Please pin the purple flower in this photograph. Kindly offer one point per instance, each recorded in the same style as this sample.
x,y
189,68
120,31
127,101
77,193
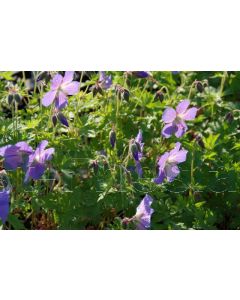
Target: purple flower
x,y
58,115
175,119
37,161
4,204
167,164
15,155
142,74
61,87
105,81
143,213
136,148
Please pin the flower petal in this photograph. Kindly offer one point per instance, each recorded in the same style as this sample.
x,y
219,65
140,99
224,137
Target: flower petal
x,y
48,154
171,172
71,88
178,157
182,106
35,172
61,101
169,115
139,169
49,98
4,205
181,129
68,76
160,178
169,130
56,82
190,114
62,119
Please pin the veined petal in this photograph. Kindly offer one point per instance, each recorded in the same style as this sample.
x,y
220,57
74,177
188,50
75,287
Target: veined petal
x,y
178,157
190,114
68,76
56,82
171,171
48,154
181,129
182,106
71,88
49,98
169,115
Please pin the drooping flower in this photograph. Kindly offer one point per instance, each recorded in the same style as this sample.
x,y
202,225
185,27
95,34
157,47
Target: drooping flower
x,y
141,74
136,148
175,119
38,160
144,213
4,204
61,87
167,164
15,155
105,81
59,116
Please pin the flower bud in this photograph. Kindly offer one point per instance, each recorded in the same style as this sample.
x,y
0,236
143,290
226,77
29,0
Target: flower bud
x,y
159,96
229,117
97,89
112,138
10,99
199,86
54,120
17,98
134,150
62,119
141,74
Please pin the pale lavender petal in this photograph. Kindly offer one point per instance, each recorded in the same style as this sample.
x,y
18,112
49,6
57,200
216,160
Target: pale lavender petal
x,y
56,82
178,157
169,130
71,88
48,154
61,101
49,98
2,150
144,212
68,77
162,160
182,106
181,129
175,149
43,144
190,114
171,172
169,115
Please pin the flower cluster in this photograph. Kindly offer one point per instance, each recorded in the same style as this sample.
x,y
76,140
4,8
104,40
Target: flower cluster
x,y
33,163
167,163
